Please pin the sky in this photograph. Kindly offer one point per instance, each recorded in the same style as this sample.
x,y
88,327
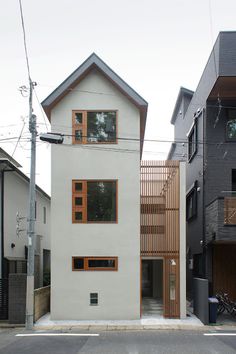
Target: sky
x,y
155,46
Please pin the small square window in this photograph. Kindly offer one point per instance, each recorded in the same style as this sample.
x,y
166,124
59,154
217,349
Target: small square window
x,y
78,118
78,215
78,135
93,299
78,186
78,263
78,201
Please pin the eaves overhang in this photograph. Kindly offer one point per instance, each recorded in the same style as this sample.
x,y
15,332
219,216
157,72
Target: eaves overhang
x,y
8,166
94,62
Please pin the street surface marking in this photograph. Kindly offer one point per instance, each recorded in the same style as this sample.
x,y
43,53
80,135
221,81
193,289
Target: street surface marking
x,y
219,334
58,334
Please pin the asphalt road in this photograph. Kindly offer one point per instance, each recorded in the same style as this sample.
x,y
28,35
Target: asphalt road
x,y
111,342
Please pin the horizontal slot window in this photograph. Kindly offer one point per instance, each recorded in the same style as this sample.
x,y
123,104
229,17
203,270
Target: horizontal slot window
x,y
94,263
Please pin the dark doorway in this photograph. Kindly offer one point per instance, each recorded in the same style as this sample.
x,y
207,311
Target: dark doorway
x,y
152,287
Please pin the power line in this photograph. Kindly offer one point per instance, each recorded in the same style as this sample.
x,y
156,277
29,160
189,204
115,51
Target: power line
x,y
24,38
42,111
18,140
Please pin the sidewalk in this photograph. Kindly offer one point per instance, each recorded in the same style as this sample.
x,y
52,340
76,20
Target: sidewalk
x,y
190,322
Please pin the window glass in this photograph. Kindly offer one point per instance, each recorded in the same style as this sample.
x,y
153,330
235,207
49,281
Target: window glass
x,y
78,135
233,188
78,200
44,215
78,215
101,263
78,118
78,186
192,142
101,201
101,126
231,125
93,298
191,204
78,263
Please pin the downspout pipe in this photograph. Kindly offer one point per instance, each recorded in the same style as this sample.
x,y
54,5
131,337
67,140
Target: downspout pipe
x,y
2,224
203,193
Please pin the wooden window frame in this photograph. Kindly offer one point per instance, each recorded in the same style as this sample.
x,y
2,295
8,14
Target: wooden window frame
x,y
87,268
83,208
83,127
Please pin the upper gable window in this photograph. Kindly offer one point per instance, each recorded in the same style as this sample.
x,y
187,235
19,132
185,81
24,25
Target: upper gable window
x,y
192,142
94,127
231,125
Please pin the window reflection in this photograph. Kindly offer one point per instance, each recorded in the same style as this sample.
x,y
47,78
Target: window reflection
x,y
101,126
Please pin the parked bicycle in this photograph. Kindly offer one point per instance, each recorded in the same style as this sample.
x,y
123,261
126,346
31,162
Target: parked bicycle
x,y
225,304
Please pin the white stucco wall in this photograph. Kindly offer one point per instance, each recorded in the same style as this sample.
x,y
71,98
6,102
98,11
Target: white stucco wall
x,y
118,291
16,193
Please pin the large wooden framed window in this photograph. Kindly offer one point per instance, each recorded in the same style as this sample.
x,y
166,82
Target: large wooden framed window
x,y
94,201
94,127
94,263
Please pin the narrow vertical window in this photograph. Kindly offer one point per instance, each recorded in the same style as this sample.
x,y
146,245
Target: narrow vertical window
x,y
192,142
191,203
44,215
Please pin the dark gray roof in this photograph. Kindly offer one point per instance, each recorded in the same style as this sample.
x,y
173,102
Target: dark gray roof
x,y
93,61
5,155
182,92
9,166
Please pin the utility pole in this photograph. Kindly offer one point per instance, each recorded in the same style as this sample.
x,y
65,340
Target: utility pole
x,y
29,322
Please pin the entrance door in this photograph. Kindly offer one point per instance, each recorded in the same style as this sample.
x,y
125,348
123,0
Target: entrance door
x,y
152,287
147,271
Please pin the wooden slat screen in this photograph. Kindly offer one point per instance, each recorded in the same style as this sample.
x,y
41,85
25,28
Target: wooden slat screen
x,y
230,211
160,224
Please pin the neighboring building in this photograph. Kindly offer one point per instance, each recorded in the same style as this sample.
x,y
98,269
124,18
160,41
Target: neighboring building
x,y
95,215
14,194
205,136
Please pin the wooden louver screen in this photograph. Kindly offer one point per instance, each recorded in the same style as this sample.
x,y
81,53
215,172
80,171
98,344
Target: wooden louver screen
x,y
160,224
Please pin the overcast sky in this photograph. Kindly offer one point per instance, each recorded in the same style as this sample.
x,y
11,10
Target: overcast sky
x,y
155,46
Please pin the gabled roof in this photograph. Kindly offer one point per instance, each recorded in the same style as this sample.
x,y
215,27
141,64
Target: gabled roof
x,y
93,61
182,92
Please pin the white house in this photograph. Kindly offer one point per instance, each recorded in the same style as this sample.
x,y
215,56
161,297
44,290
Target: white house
x,y
95,213
14,194
95,208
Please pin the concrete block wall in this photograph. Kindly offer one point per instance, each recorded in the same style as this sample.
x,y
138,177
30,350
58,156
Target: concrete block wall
x,y
17,298
41,302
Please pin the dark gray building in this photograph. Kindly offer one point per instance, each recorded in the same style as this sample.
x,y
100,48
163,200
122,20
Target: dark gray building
x,y
205,137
